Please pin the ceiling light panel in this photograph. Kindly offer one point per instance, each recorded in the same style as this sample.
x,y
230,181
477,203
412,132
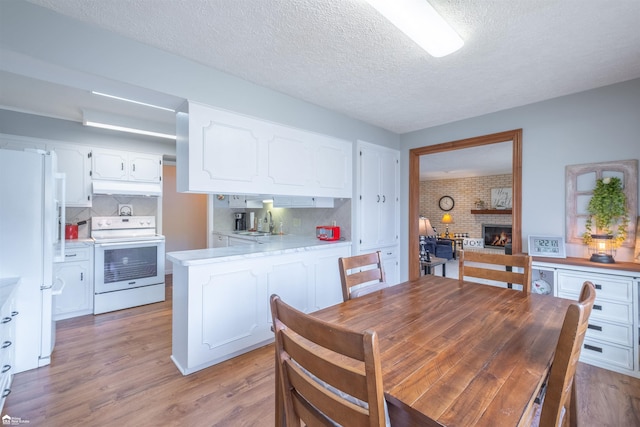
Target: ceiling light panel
x,y
420,21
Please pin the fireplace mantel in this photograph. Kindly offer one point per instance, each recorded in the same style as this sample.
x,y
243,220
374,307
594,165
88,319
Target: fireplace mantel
x,y
491,211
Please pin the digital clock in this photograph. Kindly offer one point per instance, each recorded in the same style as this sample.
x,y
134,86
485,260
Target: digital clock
x,y
547,246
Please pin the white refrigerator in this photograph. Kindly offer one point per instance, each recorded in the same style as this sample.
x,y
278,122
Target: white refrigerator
x,y
31,223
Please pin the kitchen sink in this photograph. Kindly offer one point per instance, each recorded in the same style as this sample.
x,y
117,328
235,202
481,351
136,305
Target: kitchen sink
x,y
252,233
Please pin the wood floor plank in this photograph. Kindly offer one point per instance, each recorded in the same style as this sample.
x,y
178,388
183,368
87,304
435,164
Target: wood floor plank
x,y
114,369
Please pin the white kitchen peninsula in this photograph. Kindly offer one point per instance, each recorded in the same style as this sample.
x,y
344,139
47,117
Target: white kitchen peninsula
x,y
221,295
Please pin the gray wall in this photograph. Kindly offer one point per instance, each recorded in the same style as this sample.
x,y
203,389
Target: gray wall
x,y
589,127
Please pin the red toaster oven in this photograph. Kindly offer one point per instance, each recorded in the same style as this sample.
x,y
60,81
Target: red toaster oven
x,y
328,232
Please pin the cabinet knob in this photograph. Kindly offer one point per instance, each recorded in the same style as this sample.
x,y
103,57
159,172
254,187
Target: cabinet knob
x,y
6,392
6,368
6,319
6,344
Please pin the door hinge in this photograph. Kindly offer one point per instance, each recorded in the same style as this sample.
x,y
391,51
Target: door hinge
x,y
89,154
90,173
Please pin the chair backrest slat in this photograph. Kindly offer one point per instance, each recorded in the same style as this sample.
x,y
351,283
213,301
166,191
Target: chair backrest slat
x,y
367,277
502,275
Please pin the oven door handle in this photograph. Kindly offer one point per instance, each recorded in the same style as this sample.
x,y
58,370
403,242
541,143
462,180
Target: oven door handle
x,y
131,243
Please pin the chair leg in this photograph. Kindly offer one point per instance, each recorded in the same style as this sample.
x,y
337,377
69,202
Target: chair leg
x,y
279,418
572,413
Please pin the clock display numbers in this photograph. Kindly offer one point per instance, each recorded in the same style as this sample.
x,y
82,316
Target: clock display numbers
x,y
547,246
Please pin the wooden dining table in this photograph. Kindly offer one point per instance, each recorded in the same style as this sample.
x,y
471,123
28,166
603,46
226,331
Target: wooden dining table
x,y
458,353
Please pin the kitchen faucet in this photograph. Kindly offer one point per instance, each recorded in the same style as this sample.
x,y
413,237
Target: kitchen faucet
x,y
271,225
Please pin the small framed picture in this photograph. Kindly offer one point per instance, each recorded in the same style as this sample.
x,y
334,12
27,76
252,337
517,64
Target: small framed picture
x,y
545,246
501,198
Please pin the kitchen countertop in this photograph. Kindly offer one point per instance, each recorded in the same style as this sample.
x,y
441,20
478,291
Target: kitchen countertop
x,y
7,286
268,246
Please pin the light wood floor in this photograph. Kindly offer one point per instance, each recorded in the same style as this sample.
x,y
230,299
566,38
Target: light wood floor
x,y
114,369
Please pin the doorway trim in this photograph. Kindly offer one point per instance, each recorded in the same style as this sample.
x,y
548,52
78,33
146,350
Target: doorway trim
x,y
515,136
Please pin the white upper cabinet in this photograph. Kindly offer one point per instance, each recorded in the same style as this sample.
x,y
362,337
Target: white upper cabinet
x,y
223,152
378,196
75,162
126,166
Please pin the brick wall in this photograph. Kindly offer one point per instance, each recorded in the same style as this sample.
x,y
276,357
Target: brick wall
x,y
465,192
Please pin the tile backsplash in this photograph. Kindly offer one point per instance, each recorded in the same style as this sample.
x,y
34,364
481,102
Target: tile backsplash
x,y
108,206
297,221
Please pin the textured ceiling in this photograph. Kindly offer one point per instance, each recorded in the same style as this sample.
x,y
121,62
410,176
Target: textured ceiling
x,y
341,55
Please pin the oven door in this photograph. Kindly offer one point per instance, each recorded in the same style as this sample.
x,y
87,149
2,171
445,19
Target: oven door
x,y
126,265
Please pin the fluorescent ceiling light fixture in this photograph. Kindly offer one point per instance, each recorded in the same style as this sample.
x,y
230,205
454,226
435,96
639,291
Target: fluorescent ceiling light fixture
x,y
420,21
126,124
132,101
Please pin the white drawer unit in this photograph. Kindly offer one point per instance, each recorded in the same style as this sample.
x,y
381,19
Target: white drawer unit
x,y
612,335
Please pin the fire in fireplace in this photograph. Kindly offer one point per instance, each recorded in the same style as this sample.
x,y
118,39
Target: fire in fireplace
x,y
496,235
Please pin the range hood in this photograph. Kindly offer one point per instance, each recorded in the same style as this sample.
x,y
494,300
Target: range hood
x,y
127,188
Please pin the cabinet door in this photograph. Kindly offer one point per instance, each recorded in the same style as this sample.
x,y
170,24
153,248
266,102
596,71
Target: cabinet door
x,y
237,201
388,227
145,167
110,164
390,265
75,162
378,188
369,198
76,297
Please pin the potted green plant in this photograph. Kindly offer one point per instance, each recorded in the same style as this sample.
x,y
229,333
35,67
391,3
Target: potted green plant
x,y
608,212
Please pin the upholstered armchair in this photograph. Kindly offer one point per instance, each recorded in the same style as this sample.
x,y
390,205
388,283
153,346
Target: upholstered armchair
x,y
441,248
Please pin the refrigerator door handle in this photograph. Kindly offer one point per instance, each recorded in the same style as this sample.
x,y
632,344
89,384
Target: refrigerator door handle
x,y
61,179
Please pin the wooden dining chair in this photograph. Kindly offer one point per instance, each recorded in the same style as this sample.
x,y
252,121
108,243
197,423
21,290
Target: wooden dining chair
x,y
361,275
327,374
559,407
504,274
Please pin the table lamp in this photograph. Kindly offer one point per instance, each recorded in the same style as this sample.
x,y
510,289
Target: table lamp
x,y
602,249
425,230
447,219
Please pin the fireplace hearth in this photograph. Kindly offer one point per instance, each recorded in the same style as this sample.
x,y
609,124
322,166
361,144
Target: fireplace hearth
x,y
496,235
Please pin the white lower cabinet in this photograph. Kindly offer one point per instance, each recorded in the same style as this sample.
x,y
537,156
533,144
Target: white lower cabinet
x,y
221,309
390,262
74,276
8,318
611,341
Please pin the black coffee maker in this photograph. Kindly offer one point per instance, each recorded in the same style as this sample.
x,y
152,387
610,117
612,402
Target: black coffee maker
x,y
241,221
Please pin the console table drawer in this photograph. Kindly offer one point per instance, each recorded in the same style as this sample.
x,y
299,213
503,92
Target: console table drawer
x,y
607,310
608,287
610,354
612,332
